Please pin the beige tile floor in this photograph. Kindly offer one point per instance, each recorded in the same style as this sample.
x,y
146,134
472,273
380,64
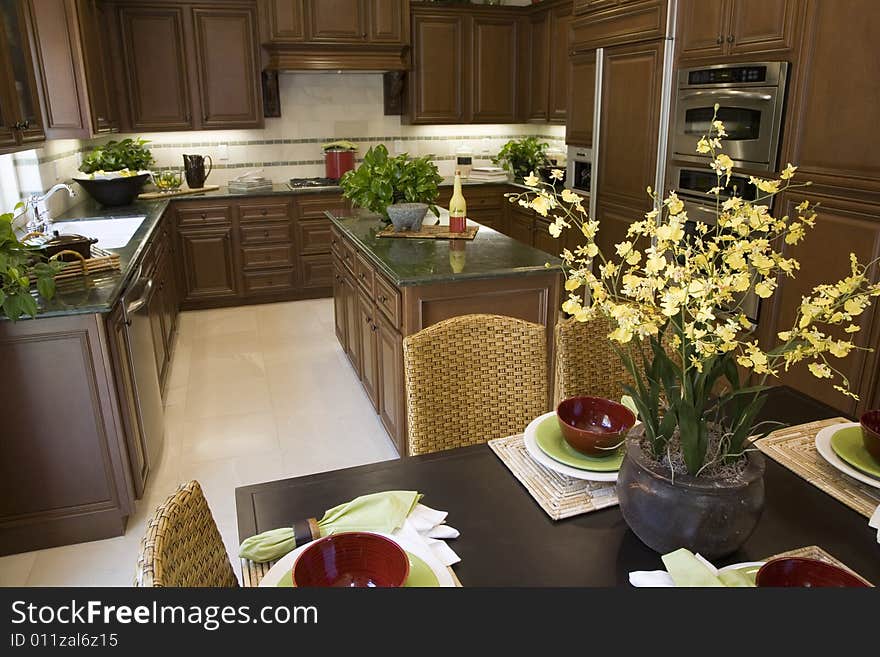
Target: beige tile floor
x,y
255,393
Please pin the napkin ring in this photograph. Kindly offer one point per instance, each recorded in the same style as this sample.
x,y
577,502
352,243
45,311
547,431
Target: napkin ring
x,y
305,531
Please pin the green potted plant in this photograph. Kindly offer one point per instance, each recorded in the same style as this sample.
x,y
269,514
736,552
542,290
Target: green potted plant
x,y
522,157
19,264
673,299
116,171
399,189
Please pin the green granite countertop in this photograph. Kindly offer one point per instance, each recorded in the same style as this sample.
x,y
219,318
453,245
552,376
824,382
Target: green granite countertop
x,y
408,261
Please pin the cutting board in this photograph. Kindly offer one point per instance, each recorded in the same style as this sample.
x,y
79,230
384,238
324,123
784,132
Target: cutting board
x,y
180,192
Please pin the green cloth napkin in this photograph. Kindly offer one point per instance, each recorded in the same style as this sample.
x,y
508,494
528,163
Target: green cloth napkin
x,y
688,571
378,512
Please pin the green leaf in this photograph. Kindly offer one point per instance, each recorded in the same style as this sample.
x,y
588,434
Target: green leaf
x,y
46,287
12,307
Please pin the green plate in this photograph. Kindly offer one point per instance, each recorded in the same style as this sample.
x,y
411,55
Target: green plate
x,y
848,445
420,575
549,438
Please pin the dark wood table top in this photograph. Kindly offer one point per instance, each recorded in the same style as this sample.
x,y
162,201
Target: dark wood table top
x,y
508,540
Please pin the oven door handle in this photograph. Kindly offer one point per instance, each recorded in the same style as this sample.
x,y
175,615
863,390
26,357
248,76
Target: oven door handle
x,y
731,93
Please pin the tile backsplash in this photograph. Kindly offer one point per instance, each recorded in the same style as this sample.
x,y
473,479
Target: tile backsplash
x,y
316,108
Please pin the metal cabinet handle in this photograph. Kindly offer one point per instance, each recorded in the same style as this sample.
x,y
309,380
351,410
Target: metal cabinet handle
x,y
265,233
731,38
374,327
264,212
139,303
720,39
204,215
382,298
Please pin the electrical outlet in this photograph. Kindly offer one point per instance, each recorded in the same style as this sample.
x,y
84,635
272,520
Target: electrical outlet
x,y
223,152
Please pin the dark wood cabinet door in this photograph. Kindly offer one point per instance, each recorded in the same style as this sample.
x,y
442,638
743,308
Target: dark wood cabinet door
x,y
761,26
155,66
339,305
544,240
539,67
128,399
93,25
630,121
438,80
702,27
22,97
284,20
494,78
352,323
208,264
521,225
8,115
337,21
831,130
842,227
228,73
581,99
585,6
614,221
560,21
156,312
369,348
388,20
392,394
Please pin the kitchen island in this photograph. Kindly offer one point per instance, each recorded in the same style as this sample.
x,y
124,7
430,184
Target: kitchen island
x,y
385,289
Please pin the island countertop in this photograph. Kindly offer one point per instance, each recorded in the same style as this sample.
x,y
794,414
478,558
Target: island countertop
x,y
409,261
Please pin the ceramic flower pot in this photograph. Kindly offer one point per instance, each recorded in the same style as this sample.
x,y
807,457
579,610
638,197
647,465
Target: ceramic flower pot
x,y
707,517
407,216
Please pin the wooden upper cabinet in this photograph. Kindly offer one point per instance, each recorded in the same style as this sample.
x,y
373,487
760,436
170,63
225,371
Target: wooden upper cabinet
x,y
581,99
155,67
831,133
630,123
226,51
388,21
538,95
438,83
19,95
736,28
494,78
284,20
337,20
560,22
703,30
92,21
586,6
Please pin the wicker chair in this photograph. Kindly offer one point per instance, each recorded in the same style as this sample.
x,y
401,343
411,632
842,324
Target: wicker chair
x,y
586,363
182,546
473,378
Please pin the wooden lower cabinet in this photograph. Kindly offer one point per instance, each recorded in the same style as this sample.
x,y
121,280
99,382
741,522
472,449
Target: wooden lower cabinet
x,y
367,328
339,319
352,323
521,225
208,263
392,398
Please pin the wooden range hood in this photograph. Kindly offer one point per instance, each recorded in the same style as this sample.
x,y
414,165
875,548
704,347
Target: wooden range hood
x,y
336,57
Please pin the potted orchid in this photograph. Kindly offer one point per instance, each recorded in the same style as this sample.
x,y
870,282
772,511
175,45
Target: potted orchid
x,y
692,478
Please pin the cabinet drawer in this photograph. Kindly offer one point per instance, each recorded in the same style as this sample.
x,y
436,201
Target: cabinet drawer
x,y
336,242
262,234
365,275
199,215
314,206
314,235
316,270
257,282
265,211
388,301
347,255
260,257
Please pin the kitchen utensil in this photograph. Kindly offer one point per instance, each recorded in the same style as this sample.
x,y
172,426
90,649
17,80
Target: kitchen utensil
x,y
352,560
594,426
548,423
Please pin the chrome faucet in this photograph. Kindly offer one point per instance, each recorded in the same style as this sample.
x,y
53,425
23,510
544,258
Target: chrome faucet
x,y
40,217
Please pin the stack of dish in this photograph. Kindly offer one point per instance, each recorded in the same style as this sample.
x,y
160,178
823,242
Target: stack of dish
x,y
854,448
584,438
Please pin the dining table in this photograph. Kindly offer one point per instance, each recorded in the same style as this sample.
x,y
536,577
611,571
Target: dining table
x,y
507,540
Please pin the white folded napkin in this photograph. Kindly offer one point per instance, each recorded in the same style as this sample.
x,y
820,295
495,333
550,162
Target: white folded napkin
x,y
428,526
661,578
874,522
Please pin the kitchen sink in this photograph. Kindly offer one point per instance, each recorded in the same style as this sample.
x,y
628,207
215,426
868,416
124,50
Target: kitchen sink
x,y
111,233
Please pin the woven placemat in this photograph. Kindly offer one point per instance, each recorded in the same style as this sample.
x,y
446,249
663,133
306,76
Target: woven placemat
x,y
795,448
815,552
559,496
431,233
252,573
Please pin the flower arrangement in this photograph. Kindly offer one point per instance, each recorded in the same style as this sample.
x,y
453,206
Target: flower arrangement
x,y
664,289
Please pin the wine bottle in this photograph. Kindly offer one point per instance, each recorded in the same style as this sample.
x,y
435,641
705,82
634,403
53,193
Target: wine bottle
x,y
457,208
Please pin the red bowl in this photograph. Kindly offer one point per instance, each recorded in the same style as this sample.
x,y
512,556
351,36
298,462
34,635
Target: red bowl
x,y
801,572
593,425
871,433
352,560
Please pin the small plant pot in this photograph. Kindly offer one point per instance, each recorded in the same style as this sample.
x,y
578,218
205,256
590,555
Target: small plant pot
x,y
113,192
407,216
709,517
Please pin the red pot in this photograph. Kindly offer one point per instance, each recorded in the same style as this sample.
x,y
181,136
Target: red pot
x,y
337,163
